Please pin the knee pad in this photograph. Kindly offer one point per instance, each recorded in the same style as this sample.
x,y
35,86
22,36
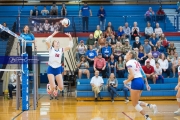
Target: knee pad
x,y
139,102
178,99
138,108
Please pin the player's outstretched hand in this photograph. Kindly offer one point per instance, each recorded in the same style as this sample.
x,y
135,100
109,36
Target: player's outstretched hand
x,y
55,32
68,34
148,87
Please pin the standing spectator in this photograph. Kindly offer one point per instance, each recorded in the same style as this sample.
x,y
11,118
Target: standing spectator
x,y
158,72
112,64
147,47
160,15
63,10
97,33
160,48
91,55
12,84
158,31
127,31
171,47
120,67
118,50
100,64
164,64
153,40
175,64
44,12
120,34
110,25
86,11
97,83
150,59
112,85
81,50
106,51
127,46
90,40
149,14
149,71
155,53
141,55
148,30
102,17
54,9
135,31
34,12
46,26
136,44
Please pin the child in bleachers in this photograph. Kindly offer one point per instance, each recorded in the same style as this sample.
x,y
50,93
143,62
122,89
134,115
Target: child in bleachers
x,y
158,73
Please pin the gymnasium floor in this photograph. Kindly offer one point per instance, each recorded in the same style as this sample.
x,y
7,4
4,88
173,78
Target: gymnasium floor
x,y
68,108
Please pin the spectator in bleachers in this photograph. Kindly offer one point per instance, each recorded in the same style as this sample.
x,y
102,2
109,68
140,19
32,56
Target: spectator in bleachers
x,y
118,50
83,66
91,55
155,53
153,40
149,71
112,85
35,27
126,46
171,47
135,31
127,31
158,72
120,34
63,10
120,67
158,31
96,47
12,83
151,60
90,40
3,34
109,25
164,41
41,28
112,42
170,57
160,48
136,44
112,62
148,30
81,49
52,27
175,63
108,33
97,33
46,26
100,64
34,12
147,47
150,14
56,26
101,41
164,64
106,51
97,83
102,17
160,15
126,88
178,7
141,55
54,9
86,12
44,12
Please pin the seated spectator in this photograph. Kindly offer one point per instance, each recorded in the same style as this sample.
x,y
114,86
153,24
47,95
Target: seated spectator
x,y
91,55
106,51
127,31
164,64
4,35
153,40
54,9
112,85
97,83
127,47
151,60
112,42
149,71
90,40
158,31
141,55
97,33
120,34
102,17
109,25
46,26
41,28
81,50
100,64
171,47
160,48
135,31
52,27
83,66
136,44
158,72
155,53
12,84
44,12
63,10
147,47
160,15
112,64
126,88
170,57
34,12
148,31
118,50
164,41
96,47
101,41
175,64
150,14
56,26
108,33
120,67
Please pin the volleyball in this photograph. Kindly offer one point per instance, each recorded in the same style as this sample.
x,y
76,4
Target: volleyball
x,y
65,22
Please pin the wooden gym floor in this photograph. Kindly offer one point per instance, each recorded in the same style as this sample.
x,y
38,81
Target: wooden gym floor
x,y
68,108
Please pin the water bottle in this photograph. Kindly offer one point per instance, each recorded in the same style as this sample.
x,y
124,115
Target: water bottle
x,y
6,94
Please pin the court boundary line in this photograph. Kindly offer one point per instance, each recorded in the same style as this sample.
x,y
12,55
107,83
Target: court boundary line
x,y
127,115
25,110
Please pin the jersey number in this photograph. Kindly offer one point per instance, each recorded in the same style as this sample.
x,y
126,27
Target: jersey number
x,y
56,55
138,66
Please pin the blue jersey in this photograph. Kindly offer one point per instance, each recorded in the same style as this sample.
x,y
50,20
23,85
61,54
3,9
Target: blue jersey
x,y
28,37
91,54
85,11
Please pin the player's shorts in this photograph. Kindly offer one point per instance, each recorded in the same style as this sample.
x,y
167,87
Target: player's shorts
x,y
54,71
137,84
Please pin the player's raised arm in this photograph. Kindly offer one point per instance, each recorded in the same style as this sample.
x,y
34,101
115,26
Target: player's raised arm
x,y
70,42
48,40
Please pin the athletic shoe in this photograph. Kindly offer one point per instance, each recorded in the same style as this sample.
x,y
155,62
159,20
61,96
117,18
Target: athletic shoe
x,y
154,108
126,101
177,112
48,89
56,98
147,117
112,101
51,97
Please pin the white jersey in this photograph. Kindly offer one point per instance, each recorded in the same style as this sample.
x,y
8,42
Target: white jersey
x,y
135,66
179,70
